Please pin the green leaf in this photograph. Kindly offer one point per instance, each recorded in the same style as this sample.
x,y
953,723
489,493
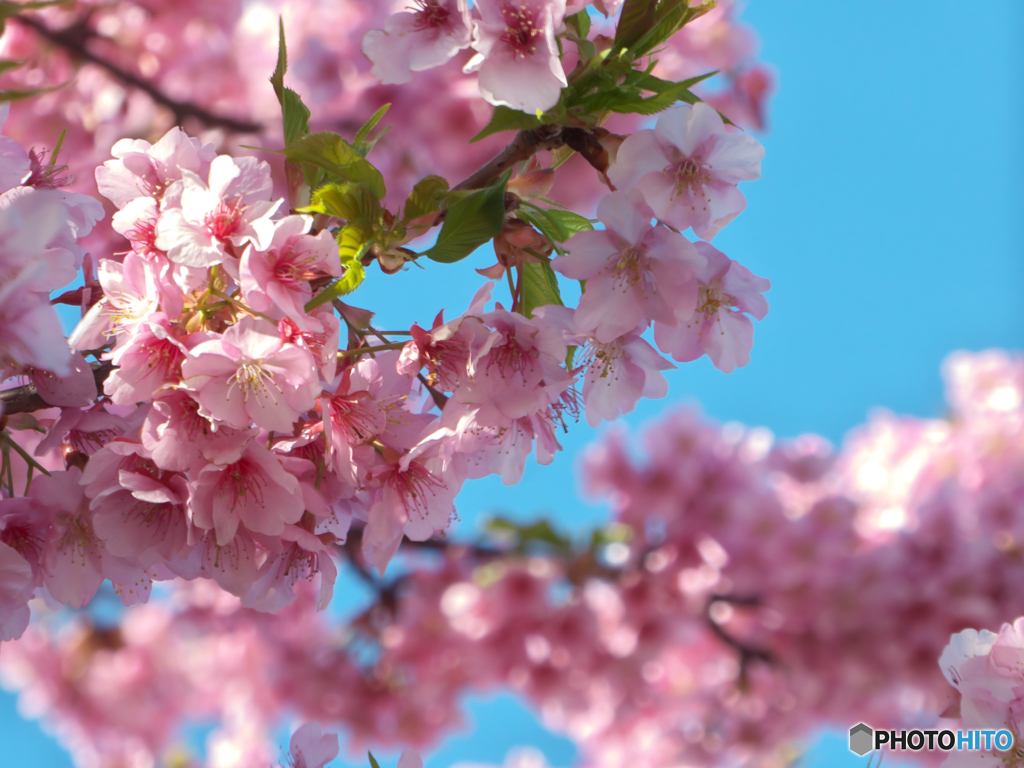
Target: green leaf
x,y
277,79
370,124
507,119
426,197
557,225
373,760
471,222
580,23
540,287
295,114
568,223
345,201
339,159
353,241
636,20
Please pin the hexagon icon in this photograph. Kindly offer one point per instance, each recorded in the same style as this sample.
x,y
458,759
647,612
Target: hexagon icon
x,y
861,739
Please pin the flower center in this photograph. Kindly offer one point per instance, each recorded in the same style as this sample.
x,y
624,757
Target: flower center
x,y
225,220
690,175
242,481
510,358
416,485
291,271
143,238
430,14
357,417
521,31
252,378
601,360
711,299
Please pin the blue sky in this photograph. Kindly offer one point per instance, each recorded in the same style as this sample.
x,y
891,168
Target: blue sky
x,y
889,222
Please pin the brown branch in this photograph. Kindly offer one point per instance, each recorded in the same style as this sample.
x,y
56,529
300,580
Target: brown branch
x,y
73,41
524,146
26,400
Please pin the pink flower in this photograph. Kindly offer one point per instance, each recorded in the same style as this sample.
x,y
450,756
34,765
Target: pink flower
x,y
178,437
302,555
446,351
15,584
231,565
310,747
233,209
481,441
616,374
130,295
76,390
249,376
634,272
352,418
147,361
519,369
138,509
14,162
320,336
688,167
24,529
255,491
73,557
416,500
427,35
279,276
517,55
719,327
142,169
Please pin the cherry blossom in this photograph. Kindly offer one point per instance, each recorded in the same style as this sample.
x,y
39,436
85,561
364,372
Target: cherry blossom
x,y
232,209
719,327
426,36
688,167
255,490
279,276
250,376
634,272
517,56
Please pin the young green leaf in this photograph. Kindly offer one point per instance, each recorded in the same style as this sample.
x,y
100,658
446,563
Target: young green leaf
x,y
540,287
295,114
426,197
345,201
373,760
580,24
471,222
369,125
339,159
507,119
636,20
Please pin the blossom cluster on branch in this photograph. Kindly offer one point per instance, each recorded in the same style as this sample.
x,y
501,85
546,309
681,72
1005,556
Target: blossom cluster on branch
x,y
745,592
221,433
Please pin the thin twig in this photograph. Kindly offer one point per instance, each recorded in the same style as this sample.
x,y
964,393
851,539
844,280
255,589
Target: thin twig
x,y
70,40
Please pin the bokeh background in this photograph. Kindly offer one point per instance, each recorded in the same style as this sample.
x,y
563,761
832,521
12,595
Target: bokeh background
x,y
890,221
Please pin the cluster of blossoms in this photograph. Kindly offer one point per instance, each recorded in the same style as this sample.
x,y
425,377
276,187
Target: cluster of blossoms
x,y
232,440
745,592
208,62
